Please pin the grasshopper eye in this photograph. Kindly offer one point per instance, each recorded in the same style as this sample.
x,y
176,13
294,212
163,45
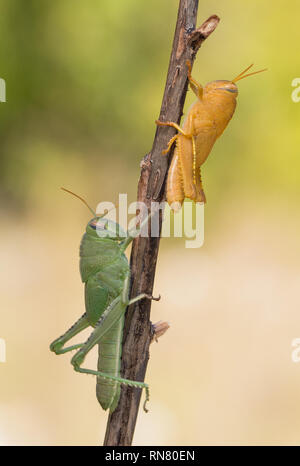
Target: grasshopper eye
x,y
234,91
99,225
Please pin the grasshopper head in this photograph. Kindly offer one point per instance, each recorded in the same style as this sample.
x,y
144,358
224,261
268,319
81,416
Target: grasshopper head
x,y
100,227
222,87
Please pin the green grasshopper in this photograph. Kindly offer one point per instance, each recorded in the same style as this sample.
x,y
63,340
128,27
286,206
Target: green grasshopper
x,y
105,271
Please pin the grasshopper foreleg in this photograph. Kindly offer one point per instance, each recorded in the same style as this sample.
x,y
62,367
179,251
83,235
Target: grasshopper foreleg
x,y
174,125
194,85
170,144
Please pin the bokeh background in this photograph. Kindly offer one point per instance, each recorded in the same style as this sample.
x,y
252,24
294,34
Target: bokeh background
x,y
84,85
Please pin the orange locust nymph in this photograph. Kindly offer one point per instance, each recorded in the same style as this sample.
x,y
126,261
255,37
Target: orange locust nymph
x,y
205,122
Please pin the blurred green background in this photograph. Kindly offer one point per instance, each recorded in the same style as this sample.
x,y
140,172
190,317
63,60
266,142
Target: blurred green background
x,y
84,85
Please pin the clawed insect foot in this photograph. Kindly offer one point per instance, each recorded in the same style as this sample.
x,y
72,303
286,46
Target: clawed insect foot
x,y
149,296
144,406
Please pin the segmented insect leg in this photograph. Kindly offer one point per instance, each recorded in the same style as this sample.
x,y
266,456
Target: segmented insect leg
x,y
194,159
194,85
143,296
125,292
174,125
200,192
186,163
170,143
57,345
111,315
175,192
120,380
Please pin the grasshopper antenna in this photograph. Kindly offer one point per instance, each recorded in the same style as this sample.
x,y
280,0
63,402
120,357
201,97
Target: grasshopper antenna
x,y
243,72
242,75
83,200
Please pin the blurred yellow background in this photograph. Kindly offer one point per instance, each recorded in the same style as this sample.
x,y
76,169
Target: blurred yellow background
x,y
84,86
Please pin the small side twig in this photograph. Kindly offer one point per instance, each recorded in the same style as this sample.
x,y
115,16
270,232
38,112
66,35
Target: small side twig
x,y
137,330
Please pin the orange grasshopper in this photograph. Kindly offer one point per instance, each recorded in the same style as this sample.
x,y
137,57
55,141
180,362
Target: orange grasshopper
x,y
205,122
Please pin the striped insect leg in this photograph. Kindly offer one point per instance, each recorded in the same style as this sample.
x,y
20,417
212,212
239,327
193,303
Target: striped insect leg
x,y
175,193
186,160
200,192
203,145
109,362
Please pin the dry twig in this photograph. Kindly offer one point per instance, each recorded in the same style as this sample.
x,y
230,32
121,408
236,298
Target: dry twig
x,y
137,330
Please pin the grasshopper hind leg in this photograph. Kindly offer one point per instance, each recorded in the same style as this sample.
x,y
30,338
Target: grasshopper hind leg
x,y
113,313
57,346
199,186
175,193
